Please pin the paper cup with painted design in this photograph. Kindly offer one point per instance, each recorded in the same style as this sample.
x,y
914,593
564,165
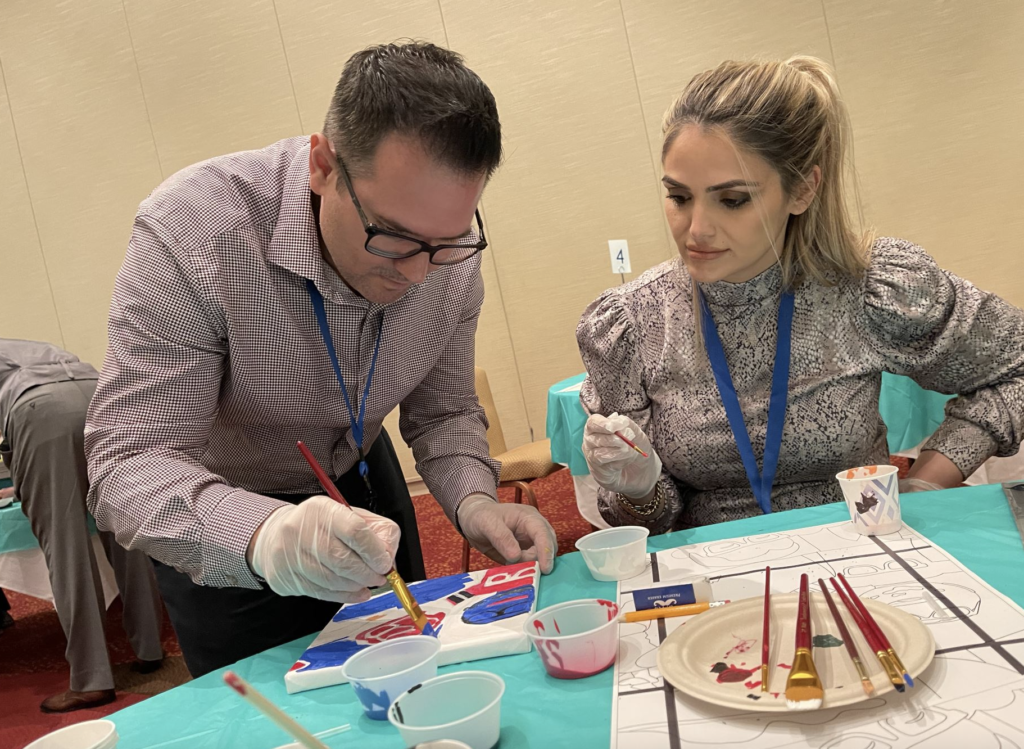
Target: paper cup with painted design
x,y
872,495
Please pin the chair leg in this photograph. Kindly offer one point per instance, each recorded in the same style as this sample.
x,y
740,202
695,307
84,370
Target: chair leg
x,y
465,555
523,489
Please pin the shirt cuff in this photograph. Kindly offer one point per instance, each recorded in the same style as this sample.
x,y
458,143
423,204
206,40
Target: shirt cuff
x,y
226,536
470,479
963,442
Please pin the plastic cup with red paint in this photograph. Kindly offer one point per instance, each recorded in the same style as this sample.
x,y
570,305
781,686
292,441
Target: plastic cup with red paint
x,y
576,638
383,671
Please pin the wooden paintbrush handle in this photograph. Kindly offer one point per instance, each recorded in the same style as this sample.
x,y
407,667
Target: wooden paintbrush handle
x,y
765,628
321,475
867,631
865,614
803,619
838,619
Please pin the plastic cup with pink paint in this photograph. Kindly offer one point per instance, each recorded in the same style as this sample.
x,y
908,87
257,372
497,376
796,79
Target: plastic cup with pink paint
x,y
576,638
383,671
615,553
872,495
462,706
92,734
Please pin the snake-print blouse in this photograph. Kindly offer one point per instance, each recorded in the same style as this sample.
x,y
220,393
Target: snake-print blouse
x,y
905,315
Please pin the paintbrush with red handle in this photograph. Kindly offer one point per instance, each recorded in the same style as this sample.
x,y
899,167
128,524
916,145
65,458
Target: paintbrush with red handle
x,y
872,639
866,615
397,583
765,627
803,687
851,648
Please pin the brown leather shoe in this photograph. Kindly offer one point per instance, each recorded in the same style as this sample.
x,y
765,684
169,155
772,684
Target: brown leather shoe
x,y
70,700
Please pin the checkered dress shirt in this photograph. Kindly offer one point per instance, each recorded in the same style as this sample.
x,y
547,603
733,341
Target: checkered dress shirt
x,y
215,367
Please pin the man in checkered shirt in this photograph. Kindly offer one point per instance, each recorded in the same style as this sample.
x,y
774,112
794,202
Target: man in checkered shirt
x,y
301,292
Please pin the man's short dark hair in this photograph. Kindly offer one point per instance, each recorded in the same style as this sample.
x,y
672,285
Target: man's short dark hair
x,y
416,89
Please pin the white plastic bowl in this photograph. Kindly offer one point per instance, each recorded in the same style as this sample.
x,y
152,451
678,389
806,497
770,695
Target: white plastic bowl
x,y
90,734
463,706
615,553
383,671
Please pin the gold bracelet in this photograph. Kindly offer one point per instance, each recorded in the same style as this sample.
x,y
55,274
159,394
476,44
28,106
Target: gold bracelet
x,y
648,509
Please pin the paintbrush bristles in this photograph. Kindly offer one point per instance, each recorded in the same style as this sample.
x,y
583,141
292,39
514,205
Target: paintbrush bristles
x,y
803,687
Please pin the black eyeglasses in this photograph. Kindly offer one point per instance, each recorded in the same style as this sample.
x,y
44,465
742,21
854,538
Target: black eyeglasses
x,y
390,244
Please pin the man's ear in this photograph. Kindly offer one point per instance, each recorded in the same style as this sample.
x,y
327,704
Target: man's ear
x,y
804,191
323,164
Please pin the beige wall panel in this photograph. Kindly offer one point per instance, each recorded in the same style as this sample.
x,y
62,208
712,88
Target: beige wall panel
x,y
673,41
27,303
86,147
577,170
214,74
320,36
936,93
495,353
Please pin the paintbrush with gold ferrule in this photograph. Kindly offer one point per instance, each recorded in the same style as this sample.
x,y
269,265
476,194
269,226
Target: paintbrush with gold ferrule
x,y
851,648
803,687
891,671
879,633
394,579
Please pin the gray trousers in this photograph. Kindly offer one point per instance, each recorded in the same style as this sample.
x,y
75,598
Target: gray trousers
x,y
45,452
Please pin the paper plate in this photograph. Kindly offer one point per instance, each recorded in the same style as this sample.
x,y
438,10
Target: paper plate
x,y
716,657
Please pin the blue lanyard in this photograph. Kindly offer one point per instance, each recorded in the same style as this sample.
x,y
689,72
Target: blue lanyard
x,y
760,482
357,422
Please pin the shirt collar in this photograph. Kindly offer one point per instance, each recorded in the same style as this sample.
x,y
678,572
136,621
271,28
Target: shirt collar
x,y
295,244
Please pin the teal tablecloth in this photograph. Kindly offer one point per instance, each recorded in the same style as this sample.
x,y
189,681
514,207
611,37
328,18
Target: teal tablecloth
x,y
973,524
910,413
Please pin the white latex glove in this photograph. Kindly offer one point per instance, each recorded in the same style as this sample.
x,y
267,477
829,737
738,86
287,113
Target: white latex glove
x,y
508,533
908,485
615,465
323,549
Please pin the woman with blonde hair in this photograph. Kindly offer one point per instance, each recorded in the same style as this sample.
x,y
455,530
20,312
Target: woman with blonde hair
x,y
749,368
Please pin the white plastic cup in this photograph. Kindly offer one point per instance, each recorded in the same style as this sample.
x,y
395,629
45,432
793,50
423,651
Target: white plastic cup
x,y
872,495
576,639
463,706
383,671
615,553
90,734
443,744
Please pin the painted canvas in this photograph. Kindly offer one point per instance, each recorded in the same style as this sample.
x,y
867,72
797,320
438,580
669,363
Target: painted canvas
x,y
476,615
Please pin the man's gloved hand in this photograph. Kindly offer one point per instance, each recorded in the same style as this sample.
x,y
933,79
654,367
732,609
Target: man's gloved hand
x,y
508,533
323,549
615,465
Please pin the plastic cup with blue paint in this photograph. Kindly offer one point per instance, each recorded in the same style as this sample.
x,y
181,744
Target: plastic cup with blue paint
x,y
383,671
462,706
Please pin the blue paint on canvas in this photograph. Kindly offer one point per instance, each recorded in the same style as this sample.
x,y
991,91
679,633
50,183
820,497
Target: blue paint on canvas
x,y
423,591
376,705
331,654
503,605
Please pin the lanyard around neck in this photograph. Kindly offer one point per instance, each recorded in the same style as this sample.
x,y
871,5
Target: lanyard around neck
x,y
356,420
760,481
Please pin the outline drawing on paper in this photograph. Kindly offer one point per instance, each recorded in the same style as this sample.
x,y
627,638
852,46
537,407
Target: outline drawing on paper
x,y
971,696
